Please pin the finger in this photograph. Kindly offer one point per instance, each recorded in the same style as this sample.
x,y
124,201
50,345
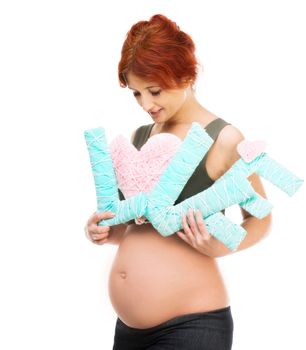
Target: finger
x,y
94,229
194,226
99,236
185,223
101,216
93,218
102,241
183,237
201,225
104,215
103,229
187,230
191,220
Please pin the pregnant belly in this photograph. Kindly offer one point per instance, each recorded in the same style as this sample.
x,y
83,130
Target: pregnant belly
x,y
155,278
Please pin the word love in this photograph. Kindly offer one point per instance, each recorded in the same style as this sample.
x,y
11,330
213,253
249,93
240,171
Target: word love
x,y
157,204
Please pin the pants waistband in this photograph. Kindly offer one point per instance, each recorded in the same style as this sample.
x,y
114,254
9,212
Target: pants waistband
x,y
214,314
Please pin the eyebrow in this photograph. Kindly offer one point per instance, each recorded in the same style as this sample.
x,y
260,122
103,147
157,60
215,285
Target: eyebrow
x,y
148,87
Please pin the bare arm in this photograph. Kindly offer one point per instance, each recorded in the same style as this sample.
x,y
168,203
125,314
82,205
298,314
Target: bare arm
x,y
257,229
197,235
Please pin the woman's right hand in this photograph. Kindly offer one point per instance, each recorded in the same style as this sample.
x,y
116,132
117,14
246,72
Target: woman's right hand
x,y
98,234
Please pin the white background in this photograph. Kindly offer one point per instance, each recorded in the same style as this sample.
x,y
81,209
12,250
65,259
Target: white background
x,y
57,78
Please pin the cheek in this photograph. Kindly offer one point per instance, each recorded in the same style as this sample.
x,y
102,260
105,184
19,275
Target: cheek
x,y
137,99
171,103
168,103
174,105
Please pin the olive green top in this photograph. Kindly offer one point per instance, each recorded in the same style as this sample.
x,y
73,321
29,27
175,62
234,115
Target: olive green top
x,y
199,180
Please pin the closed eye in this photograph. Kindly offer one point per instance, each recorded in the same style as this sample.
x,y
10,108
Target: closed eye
x,y
153,93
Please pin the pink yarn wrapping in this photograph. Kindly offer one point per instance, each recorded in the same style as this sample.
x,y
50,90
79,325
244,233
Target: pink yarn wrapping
x,y
138,171
249,150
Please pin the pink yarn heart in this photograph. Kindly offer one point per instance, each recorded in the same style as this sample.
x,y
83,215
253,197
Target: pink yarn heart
x,y
249,150
138,171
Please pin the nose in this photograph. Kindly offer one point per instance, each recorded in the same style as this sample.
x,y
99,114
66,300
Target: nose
x,y
146,103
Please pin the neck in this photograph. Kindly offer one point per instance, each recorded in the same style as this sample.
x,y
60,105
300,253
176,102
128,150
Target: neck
x,y
191,111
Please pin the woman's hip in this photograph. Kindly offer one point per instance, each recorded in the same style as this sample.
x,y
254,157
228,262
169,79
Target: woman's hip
x,y
211,330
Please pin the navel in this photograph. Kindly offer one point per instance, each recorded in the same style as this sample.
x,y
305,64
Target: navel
x,y
123,275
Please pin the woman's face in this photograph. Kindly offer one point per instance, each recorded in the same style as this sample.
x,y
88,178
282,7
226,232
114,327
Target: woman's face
x,y
160,104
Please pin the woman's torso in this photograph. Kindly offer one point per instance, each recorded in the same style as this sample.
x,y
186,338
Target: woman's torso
x,y
155,278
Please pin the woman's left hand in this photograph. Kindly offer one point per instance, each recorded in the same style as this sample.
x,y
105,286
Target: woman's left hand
x,y
199,238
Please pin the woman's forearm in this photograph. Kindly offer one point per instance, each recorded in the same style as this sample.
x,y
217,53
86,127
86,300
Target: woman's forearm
x,y
257,229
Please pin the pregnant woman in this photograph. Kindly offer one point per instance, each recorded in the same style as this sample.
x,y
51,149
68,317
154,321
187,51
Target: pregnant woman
x,y
168,292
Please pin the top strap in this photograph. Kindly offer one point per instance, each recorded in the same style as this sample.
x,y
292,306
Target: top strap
x,y
143,132
213,128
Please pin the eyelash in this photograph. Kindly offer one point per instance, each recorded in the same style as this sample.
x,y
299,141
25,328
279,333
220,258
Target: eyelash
x,y
157,93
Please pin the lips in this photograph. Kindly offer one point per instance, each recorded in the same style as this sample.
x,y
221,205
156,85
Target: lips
x,y
155,113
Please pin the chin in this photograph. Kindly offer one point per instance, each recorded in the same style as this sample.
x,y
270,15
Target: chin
x,y
157,120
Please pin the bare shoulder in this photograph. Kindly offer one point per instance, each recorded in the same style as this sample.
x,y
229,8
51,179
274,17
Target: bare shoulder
x,y
226,144
223,153
229,136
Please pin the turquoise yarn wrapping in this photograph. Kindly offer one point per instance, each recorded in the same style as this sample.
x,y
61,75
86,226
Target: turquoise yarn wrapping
x,y
157,206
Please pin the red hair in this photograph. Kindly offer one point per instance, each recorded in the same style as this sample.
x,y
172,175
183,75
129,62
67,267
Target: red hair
x,y
157,50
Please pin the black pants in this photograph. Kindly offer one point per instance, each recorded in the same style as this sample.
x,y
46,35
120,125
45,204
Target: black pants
x,y
196,331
